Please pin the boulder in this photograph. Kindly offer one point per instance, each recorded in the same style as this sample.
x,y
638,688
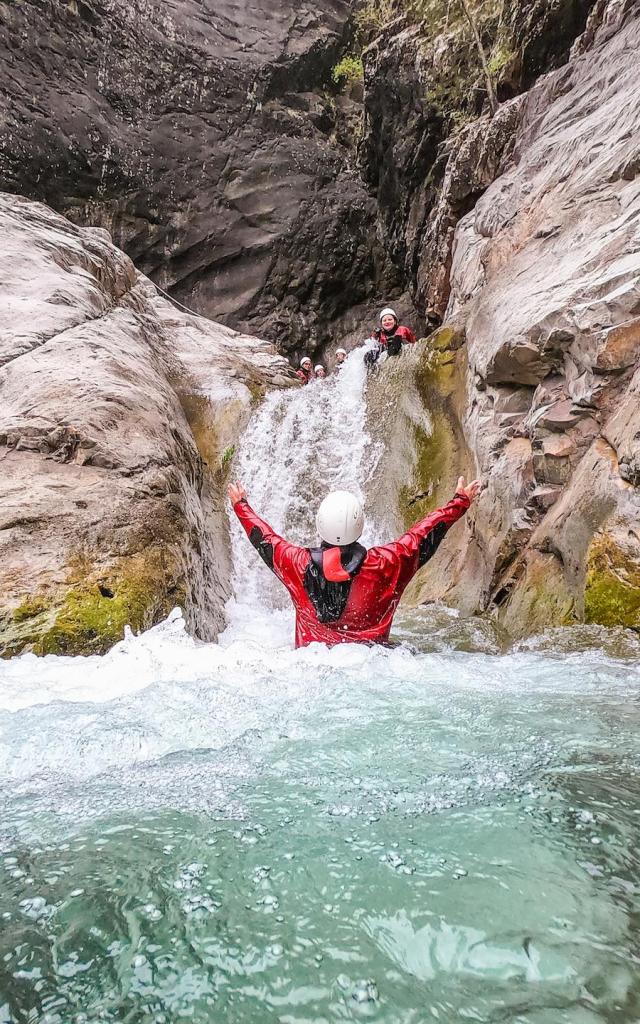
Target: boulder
x,y
117,417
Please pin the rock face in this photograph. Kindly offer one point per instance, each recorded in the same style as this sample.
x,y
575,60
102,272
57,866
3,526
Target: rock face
x,y
201,134
545,289
115,413
423,154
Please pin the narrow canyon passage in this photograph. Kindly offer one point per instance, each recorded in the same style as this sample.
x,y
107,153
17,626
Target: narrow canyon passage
x,y
239,831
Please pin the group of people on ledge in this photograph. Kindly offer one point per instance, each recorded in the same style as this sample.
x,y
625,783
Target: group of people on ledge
x,y
343,592
389,337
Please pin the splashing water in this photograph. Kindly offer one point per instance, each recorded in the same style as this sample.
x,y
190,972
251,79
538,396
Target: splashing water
x,y
442,831
298,447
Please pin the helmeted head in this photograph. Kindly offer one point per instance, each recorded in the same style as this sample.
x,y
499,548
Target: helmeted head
x,y
388,318
320,370
340,519
341,355
305,363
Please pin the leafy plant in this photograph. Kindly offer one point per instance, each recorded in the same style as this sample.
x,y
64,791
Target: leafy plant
x,y
498,61
227,456
348,71
372,17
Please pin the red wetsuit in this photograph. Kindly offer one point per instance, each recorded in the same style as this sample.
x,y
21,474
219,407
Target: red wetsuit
x,y
305,375
404,333
348,594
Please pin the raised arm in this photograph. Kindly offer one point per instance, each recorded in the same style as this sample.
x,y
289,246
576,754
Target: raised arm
x,y
420,543
274,551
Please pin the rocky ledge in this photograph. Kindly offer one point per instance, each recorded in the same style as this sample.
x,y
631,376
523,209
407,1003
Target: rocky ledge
x,y
118,413
538,359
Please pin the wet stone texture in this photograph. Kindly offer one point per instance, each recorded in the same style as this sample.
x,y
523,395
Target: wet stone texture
x,y
208,138
116,410
544,287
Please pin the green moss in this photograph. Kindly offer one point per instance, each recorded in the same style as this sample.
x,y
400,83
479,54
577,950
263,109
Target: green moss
x,y
437,367
435,455
438,461
88,621
83,618
29,609
612,589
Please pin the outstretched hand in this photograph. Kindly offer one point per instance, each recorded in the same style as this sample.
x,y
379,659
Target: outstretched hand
x,y
471,490
236,492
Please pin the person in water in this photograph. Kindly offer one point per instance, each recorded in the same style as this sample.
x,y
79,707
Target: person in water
x,y
341,355
320,371
305,373
343,593
390,336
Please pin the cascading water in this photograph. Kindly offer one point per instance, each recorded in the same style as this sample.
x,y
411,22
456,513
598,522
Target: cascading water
x,y
298,447
242,832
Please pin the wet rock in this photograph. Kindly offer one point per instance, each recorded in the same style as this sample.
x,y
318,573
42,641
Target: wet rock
x,y
545,496
207,142
115,412
545,277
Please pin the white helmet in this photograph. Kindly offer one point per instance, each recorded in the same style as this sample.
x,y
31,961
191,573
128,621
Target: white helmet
x,y
318,367
340,519
305,359
388,311
341,351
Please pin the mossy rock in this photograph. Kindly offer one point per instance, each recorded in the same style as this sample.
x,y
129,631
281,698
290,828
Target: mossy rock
x,y
89,615
612,587
437,367
539,597
440,453
434,467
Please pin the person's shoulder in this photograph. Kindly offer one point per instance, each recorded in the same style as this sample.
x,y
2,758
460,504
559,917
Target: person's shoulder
x,y
380,556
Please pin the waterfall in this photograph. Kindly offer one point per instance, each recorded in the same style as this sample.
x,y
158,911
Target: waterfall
x,y
299,445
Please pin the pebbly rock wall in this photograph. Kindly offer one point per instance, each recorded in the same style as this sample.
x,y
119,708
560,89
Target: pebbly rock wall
x,y
116,411
538,357
206,138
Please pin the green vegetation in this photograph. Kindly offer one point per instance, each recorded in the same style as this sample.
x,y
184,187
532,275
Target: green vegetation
x,y
90,613
612,589
482,58
227,456
500,58
373,15
348,71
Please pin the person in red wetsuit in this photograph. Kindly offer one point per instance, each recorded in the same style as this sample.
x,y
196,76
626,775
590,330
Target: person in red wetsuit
x,y
305,373
343,593
390,336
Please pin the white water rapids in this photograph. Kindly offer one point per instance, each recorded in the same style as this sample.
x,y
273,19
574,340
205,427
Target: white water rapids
x,y
241,831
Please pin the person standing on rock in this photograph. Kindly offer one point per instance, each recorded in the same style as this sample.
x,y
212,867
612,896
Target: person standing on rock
x,y
305,373
343,593
390,336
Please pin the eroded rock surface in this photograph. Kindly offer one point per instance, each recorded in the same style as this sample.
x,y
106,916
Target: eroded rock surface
x,y
116,410
206,137
545,286
425,156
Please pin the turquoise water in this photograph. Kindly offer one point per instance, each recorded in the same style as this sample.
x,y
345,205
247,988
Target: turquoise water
x,y
398,836
238,832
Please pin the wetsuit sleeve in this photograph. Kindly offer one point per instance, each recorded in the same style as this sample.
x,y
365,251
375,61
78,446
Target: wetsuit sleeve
x,y
407,335
278,554
420,543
